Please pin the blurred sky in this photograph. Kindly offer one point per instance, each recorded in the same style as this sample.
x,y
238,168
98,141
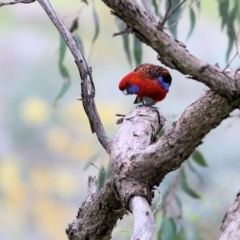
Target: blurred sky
x,y
43,150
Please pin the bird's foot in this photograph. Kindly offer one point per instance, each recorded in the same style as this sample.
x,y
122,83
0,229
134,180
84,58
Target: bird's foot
x,y
148,105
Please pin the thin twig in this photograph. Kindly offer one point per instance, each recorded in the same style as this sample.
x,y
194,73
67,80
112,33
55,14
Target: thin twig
x,y
88,90
174,24
236,54
15,2
161,24
126,30
160,201
97,167
176,8
148,10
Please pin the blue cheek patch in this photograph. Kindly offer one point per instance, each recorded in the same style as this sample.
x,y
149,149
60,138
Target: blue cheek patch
x,y
163,84
133,89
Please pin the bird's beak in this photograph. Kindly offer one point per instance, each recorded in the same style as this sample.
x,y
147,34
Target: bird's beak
x,y
125,92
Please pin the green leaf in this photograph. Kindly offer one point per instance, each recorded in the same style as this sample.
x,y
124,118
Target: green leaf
x,y
62,50
194,171
80,43
137,50
230,18
66,84
185,187
223,10
174,18
87,165
93,158
63,71
161,133
96,23
181,234
155,5
101,178
178,201
168,229
125,37
109,170
74,25
198,158
193,22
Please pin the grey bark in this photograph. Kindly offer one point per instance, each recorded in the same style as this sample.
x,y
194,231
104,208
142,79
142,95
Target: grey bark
x,y
230,229
139,159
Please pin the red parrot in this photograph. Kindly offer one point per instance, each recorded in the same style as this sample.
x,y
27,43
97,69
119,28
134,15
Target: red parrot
x,y
149,82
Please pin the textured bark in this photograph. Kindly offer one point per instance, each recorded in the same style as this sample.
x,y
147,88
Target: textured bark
x,y
138,130
230,229
143,218
97,216
139,159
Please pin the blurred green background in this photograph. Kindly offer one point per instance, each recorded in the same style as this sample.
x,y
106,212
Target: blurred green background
x,y
43,150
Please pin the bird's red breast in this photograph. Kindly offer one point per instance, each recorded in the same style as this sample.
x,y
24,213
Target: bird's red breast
x,y
147,80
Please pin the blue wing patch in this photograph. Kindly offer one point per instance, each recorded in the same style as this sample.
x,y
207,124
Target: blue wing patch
x,y
163,84
133,89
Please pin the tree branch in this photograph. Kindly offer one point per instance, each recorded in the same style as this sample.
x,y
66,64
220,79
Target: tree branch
x,y
231,223
143,219
140,161
88,90
16,2
171,53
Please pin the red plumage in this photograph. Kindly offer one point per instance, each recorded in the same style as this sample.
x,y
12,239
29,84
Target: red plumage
x,y
146,81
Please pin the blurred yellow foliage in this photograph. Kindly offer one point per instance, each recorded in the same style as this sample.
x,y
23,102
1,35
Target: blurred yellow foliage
x,y
74,111
34,111
50,217
58,140
64,183
11,182
41,179
108,111
81,151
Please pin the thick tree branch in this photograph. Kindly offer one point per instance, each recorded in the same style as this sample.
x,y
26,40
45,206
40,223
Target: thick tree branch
x,y
231,222
171,53
88,91
139,161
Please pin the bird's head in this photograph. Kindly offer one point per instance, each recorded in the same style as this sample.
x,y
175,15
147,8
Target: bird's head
x,y
126,86
165,79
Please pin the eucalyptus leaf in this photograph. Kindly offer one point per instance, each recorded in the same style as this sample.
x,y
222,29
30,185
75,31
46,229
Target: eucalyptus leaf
x,y
198,158
192,21
96,24
121,26
168,229
185,187
137,50
101,178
